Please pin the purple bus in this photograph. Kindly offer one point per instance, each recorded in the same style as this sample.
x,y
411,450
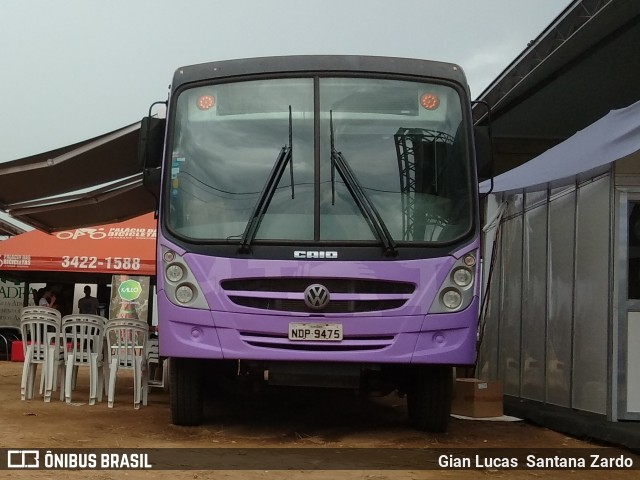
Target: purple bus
x,y
318,227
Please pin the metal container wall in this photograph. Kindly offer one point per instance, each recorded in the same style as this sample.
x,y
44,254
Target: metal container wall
x,y
550,324
534,291
591,324
488,359
511,305
562,216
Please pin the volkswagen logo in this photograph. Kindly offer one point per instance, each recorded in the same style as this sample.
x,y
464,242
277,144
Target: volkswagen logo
x,y
316,296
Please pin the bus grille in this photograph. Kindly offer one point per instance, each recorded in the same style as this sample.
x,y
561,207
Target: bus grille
x,y
335,306
286,294
348,344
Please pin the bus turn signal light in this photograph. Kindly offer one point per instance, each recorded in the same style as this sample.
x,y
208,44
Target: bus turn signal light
x,y
206,102
429,101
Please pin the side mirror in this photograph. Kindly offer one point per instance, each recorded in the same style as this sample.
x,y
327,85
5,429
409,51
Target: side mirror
x,y
484,153
150,145
151,142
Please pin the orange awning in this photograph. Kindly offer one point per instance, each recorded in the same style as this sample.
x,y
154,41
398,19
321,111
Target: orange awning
x,y
125,247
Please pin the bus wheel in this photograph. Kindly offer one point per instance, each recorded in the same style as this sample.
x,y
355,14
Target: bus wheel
x,y
186,392
429,397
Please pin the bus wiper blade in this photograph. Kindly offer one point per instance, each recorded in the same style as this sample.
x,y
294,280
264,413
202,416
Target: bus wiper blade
x,y
266,195
268,191
365,205
361,198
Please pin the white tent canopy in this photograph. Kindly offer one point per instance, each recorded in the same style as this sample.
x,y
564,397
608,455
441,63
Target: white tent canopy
x,y
583,155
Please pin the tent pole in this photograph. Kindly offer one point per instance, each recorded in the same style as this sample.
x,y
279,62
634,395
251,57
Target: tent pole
x,y
25,300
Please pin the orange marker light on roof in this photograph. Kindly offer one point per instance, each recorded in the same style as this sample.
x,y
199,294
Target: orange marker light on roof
x,y
429,101
205,102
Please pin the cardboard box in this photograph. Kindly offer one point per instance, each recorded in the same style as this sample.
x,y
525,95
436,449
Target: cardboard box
x,y
477,398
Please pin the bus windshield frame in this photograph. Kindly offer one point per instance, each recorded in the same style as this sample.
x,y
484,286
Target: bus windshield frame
x,y
227,137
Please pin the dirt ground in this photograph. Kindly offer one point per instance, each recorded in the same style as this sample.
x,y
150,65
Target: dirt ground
x,y
301,419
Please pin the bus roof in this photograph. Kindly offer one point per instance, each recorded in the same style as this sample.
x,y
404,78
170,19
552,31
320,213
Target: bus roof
x,y
300,64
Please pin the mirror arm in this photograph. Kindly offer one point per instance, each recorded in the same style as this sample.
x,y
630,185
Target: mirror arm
x,y
490,134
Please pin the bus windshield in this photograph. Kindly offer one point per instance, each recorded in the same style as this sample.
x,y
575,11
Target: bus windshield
x,y
401,142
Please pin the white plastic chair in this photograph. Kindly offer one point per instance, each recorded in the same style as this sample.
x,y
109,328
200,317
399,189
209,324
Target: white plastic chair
x,y
40,327
156,366
127,348
85,336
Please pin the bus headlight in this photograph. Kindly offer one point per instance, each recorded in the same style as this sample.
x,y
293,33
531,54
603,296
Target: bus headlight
x,y
179,283
458,288
174,273
185,294
469,260
451,298
462,277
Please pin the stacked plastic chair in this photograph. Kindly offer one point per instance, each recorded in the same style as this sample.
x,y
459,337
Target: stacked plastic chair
x,y
158,370
84,336
127,349
42,345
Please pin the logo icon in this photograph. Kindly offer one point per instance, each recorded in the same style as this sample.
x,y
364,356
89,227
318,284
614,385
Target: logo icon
x,y
23,459
129,290
316,296
316,254
93,233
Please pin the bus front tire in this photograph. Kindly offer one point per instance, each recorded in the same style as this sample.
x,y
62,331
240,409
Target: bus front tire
x,y
186,391
429,397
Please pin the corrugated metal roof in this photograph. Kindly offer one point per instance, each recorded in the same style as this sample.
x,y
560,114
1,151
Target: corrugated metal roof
x,y
582,66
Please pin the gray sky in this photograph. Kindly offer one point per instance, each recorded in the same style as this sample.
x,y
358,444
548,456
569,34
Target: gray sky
x,y
74,69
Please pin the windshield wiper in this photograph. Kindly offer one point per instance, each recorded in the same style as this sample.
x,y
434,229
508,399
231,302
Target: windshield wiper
x,y
268,191
361,198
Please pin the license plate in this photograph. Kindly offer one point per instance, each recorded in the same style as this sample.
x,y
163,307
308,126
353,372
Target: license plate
x,y
315,331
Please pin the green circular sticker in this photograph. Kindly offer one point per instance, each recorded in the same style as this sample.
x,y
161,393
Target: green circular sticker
x,y
129,290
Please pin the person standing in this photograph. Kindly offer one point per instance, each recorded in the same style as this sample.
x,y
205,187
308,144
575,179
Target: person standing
x,y
88,305
47,298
